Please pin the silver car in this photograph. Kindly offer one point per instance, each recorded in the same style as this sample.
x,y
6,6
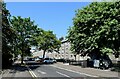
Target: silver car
x,y
48,61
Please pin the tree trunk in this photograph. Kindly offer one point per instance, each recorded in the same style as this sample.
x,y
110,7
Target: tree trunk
x,y
22,58
75,57
22,54
44,53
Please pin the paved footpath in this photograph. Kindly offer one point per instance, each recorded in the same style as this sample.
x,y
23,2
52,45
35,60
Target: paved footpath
x,y
17,71
89,71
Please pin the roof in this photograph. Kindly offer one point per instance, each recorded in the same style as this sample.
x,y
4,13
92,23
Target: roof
x,y
63,41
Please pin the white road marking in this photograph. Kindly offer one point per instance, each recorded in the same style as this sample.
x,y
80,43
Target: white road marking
x,y
74,71
66,64
62,74
41,72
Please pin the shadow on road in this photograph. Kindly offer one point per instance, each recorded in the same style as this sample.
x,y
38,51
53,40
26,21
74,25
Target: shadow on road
x,y
35,66
21,68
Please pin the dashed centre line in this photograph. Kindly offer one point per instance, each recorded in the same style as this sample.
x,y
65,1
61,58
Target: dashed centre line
x,y
74,71
62,74
42,72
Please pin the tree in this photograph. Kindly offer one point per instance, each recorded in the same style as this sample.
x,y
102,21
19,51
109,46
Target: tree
x,y
61,38
96,28
47,41
25,30
8,36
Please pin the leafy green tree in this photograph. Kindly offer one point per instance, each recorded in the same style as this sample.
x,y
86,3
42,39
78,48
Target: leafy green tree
x,y
61,38
8,35
25,30
96,28
47,41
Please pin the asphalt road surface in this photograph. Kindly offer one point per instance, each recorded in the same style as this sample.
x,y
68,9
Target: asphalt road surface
x,y
52,71
42,71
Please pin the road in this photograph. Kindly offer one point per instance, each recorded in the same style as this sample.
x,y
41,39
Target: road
x,y
49,71
52,71
60,70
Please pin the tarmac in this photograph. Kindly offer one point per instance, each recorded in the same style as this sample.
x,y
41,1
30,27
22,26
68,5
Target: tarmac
x,y
22,71
88,70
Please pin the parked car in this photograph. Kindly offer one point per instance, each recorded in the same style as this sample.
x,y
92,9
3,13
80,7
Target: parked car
x,y
60,60
40,60
48,61
54,60
31,61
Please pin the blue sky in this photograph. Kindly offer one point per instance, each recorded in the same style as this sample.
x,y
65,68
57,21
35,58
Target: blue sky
x,y
55,16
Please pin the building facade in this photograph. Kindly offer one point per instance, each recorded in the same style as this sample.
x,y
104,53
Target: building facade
x,y
64,53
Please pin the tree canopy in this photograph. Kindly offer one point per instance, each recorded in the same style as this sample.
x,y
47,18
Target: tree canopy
x,y
47,41
96,26
25,30
8,35
19,34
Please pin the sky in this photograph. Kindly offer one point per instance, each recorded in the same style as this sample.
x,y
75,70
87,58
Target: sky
x,y
55,16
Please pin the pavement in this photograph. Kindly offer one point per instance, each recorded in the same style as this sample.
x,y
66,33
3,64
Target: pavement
x,y
16,71
55,70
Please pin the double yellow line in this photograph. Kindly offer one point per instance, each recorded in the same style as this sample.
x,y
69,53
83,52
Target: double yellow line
x,y
31,72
